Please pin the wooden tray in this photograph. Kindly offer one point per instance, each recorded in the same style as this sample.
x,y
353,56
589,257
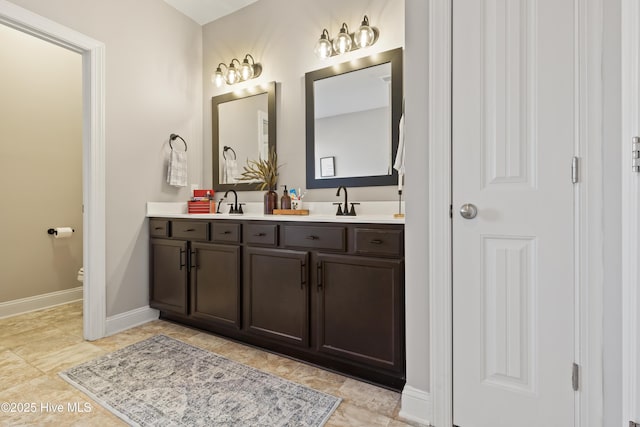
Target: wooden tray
x,y
291,211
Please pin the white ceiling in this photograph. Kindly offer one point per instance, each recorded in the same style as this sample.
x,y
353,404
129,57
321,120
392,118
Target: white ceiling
x,y
205,11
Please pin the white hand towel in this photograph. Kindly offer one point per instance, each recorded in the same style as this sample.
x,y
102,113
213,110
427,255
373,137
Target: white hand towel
x,y
177,171
399,163
233,170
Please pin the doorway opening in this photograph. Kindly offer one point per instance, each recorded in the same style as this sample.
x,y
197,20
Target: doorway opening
x,y
93,154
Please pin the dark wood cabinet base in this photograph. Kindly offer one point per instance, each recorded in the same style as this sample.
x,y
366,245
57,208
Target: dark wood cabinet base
x,y
329,294
340,366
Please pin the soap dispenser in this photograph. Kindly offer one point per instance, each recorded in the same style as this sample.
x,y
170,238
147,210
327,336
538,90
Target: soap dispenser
x,y
285,201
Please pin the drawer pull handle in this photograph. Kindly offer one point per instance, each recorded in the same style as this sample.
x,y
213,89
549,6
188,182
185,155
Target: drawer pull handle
x,y
312,237
190,229
226,232
260,234
159,228
376,242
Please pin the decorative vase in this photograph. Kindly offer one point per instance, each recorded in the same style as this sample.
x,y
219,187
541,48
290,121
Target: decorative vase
x,y
270,202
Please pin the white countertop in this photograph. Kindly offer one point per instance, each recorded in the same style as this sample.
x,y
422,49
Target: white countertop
x,y
367,212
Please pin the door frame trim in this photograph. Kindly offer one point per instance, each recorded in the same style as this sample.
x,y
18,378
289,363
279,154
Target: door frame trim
x,y
588,200
93,153
630,34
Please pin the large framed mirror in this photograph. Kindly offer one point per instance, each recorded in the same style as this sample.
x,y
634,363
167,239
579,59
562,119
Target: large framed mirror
x,y
244,128
353,112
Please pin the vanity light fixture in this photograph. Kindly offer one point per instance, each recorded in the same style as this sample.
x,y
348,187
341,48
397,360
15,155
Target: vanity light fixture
x,y
345,41
234,74
365,35
218,77
323,47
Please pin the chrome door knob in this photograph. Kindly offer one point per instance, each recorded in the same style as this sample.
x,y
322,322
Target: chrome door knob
x,y
468,211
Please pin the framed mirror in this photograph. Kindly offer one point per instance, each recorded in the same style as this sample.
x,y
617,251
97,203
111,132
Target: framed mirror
x,y
244,128
353,112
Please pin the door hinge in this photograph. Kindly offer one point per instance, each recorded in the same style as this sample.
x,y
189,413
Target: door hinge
x,y
635,154
632,424
575,169
575,377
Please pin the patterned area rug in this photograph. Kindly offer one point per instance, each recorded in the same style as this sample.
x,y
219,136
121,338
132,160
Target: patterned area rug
x,y
165,382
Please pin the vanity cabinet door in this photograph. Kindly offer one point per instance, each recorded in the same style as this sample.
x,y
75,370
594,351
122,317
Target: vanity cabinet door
x,y
168,291
358,309
215,283
276,296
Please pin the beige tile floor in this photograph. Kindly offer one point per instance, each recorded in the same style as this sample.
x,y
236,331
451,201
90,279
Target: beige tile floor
x,y
34,347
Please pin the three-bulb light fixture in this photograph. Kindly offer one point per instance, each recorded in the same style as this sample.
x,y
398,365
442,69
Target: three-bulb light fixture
x,y
232,74
345,41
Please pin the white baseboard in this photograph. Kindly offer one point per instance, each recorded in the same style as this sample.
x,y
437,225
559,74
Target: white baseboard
x,y
416,405
130,319
39,302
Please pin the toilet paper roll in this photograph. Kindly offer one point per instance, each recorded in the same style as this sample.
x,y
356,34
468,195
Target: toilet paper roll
x,y
63,232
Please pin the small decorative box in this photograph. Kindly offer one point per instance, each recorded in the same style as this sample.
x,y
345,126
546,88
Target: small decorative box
x,y
203,193
201,207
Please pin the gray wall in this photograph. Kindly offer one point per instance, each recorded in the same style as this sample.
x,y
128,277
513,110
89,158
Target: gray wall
x,y
416,228
40,165
612,298
281,35
153,89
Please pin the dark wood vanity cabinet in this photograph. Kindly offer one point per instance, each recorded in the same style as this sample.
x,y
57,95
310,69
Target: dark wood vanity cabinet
x,y
276,294
328,293
195,277
358,309
169,275
215,283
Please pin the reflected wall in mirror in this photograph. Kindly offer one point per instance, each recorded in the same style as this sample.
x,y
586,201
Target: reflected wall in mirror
x,y
353,113
244,128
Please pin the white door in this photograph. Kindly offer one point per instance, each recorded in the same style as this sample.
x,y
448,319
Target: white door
x,y
513,268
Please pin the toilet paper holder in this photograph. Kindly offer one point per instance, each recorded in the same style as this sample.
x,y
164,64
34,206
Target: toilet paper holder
x,y
55,232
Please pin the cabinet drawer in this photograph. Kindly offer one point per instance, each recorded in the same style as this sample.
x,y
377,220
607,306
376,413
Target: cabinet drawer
x,y
223,232
331,238
159,228
261,234
378,242
190,230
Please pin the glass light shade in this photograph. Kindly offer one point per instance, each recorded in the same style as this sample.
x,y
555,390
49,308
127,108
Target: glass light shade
x,y
246,70
233,76
342,43
365,35
323,48
218,77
